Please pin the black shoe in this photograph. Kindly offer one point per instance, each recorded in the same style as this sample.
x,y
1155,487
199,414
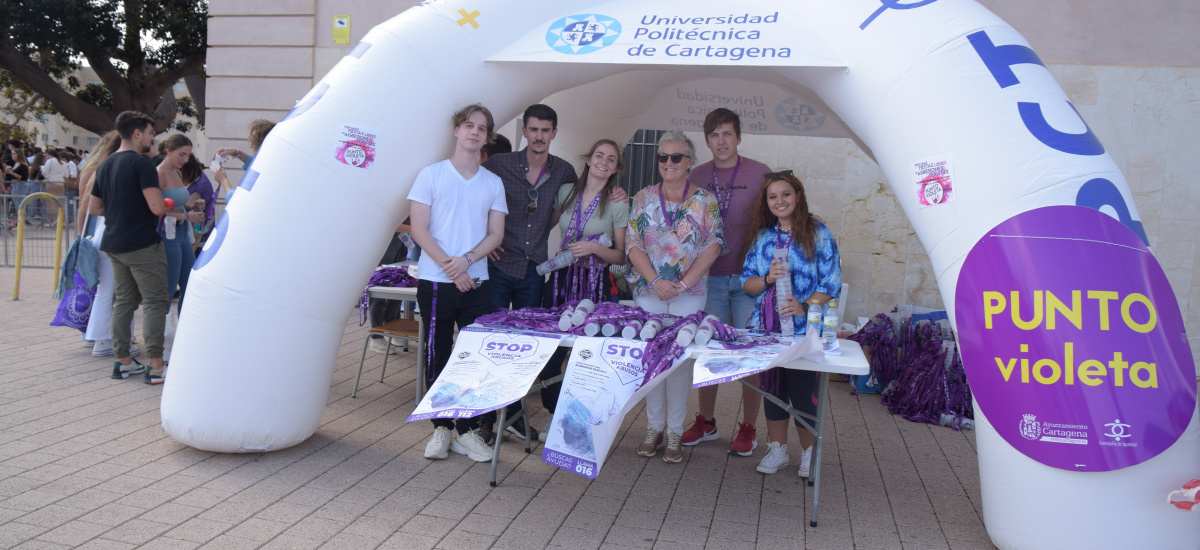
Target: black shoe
x,y
518,429
488,433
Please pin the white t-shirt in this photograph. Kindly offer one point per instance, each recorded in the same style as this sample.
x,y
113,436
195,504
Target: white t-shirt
x,y
54,170
458,214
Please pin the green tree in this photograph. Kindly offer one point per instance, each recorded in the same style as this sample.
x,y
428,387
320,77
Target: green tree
x,y
139,50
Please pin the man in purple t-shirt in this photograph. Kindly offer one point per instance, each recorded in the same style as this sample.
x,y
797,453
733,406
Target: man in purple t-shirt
x,y
736,181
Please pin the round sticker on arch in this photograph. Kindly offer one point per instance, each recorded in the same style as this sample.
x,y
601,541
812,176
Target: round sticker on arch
x,y
356,146
1073,341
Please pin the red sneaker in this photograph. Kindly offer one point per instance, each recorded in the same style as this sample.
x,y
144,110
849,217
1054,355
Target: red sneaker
x,y
745,442
701,430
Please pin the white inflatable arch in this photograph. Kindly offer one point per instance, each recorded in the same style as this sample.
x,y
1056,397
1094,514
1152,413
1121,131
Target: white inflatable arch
x,y
916,84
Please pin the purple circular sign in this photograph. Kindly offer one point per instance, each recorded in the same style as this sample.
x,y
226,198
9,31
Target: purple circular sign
x,y
1073,341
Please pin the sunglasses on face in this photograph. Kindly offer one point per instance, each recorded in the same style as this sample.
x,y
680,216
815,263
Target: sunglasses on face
x,y
675,157
533,196
778,175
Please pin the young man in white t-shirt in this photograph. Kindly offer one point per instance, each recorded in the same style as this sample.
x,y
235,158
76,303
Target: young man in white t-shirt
x,y
458,211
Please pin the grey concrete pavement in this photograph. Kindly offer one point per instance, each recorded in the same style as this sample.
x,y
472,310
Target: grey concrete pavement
x,y
84,463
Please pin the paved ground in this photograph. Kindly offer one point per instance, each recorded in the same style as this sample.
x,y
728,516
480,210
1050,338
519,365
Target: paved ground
x,y
84,462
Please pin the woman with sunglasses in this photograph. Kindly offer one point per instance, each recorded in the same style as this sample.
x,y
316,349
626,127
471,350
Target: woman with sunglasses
x,y
675,234
814,269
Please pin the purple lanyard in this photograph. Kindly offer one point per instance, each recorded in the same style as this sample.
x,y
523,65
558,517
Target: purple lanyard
x,y
724,200
538,181
579,219
786,245
663,202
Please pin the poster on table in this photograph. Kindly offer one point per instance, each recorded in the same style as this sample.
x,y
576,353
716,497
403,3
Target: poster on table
x,y
603,381
1073,341
717,365
487,370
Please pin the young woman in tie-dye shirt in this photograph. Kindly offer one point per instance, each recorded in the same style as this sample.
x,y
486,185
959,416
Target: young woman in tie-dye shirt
x,y
814,270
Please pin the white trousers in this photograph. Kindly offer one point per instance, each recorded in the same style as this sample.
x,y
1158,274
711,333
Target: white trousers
x,y
666,404
100,322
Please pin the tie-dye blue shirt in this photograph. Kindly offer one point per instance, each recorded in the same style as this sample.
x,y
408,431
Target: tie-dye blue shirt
x,y
823,275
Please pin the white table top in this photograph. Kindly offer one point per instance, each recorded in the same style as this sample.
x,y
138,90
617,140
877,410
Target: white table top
x,y
851,361
393,292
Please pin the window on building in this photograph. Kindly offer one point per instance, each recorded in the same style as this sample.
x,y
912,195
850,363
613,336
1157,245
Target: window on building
x,y
93,141
74,140
641,167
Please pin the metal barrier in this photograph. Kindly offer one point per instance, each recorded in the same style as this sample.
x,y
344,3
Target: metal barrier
x,y
19,227
38,237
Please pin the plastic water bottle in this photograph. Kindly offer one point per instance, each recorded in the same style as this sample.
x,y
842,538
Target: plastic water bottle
x,y
814,318
686,334
706,330
631,329
783,290
830,327
609,328
584,308
651,329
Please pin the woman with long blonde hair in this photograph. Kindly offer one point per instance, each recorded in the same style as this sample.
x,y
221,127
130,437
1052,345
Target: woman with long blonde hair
x,y
99,329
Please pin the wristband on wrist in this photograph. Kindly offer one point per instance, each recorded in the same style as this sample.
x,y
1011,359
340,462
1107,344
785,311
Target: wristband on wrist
x,y
469,262
656,279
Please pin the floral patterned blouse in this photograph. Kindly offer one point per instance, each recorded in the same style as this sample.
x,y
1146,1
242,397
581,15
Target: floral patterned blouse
x,y
808,276
672,247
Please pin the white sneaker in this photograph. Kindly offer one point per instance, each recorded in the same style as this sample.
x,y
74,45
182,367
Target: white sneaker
x,y
805,459
398,342
378,345
776,458
545,428
473,446
438,444
104,348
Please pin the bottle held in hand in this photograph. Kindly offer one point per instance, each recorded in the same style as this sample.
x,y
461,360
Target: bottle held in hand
x,y
783,290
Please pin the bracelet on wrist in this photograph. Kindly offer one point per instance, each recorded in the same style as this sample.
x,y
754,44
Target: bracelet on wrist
x,y
469,262
655,281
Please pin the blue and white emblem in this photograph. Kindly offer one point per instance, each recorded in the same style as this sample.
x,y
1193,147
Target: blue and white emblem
x,y
582,34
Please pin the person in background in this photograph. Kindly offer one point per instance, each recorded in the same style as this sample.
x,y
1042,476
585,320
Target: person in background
x,y
54,171
99,329
498,146
675,234
259,128
127,194
176,229
201,198
458,211
782,220
735,181
37,207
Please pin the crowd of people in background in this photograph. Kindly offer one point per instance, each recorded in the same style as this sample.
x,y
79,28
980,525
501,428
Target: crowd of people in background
x,y
148,210
30,169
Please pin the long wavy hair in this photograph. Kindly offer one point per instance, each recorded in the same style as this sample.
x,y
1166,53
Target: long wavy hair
x,y
608,185
804,226
108,144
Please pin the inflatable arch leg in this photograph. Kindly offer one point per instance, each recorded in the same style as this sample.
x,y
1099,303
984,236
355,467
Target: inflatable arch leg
x,y
925,82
